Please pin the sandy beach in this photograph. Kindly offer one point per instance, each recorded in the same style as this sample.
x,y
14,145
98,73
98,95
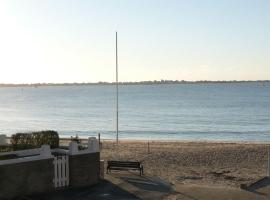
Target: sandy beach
x,y
196,163
194,170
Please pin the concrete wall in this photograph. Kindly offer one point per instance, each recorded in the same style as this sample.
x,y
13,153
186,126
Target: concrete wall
x,y
23,178
35,174
84,169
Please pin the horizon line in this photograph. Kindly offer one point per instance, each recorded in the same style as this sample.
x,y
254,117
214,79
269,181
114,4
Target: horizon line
x,y
130,82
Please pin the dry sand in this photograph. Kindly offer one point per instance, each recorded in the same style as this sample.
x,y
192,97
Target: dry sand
x,y
195,163
196,170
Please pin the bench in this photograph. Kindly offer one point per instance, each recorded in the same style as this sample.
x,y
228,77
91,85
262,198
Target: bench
x,y
124,165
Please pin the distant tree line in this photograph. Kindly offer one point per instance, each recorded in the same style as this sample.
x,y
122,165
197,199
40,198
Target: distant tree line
x,y
132,83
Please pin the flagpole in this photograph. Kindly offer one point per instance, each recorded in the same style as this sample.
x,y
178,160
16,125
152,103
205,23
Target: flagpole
x,y
116,63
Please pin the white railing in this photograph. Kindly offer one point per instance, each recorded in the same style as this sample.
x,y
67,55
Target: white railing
x,y
44,152
60,162
26,152
93,146
61,171
60,151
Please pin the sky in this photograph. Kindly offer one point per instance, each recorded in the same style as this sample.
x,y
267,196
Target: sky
x,y
65,41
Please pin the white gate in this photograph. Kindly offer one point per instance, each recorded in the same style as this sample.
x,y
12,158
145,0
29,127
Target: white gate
x,y
61,171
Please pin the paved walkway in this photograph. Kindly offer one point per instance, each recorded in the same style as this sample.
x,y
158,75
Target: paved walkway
x,y
105,190
131,186
257,191
118,186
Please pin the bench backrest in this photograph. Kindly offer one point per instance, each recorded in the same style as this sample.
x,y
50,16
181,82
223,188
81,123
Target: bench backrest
x,y
124,164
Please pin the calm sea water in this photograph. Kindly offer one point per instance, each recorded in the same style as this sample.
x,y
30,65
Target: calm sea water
x,y
227,112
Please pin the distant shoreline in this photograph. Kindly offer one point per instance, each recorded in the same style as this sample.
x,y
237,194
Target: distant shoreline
x,y
129,83
83,139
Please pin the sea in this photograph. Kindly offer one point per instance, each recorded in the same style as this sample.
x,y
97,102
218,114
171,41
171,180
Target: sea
x,y
189,112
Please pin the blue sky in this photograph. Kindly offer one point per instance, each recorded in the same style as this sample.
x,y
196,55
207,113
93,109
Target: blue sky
x,y
74,41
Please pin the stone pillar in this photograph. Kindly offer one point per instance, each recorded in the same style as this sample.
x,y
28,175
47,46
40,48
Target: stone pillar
x,y
93,144
3,139
73,148
101,165
84,169
45,151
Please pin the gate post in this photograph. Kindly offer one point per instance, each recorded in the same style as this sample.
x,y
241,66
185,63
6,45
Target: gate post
x,y
45,151
73,148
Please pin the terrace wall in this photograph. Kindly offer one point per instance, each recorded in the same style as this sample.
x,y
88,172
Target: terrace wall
x,y
33,171
19,179
84,169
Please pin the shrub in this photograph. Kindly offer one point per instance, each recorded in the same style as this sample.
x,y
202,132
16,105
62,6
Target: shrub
x,y
6,148
7,157
30,140
21,141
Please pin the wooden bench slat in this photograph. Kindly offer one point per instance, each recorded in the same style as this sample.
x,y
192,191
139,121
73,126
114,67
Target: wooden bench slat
x,y
124,165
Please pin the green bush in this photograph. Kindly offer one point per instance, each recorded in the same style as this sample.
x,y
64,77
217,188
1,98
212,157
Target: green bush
x,y
7,157
31,140
6,148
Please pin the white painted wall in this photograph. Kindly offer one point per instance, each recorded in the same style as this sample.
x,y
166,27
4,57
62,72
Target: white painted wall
x,y
3,139
93,146
33,154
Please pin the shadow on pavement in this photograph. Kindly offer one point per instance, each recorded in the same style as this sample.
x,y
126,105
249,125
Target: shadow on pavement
x,y
262,183
148,183
105,190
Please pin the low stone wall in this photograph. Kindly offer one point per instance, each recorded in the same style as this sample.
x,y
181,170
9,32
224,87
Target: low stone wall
x,y
33,171
84,169
23,178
